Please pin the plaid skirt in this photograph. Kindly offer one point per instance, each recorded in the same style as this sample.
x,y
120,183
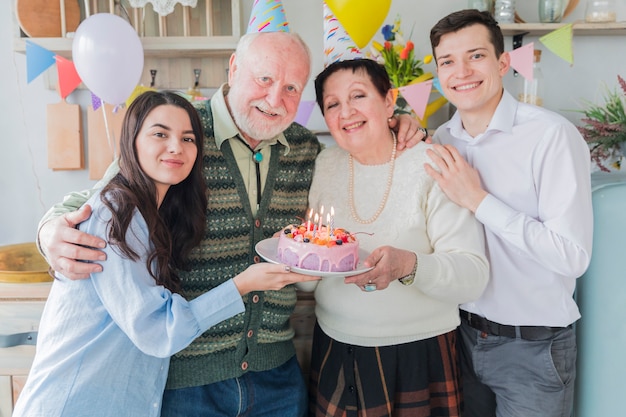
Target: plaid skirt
x,y
417,379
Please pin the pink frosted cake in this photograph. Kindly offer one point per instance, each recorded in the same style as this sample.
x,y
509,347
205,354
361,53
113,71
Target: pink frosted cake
x,y
318,251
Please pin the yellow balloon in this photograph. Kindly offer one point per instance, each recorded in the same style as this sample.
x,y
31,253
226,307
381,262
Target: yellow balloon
x,y
360,18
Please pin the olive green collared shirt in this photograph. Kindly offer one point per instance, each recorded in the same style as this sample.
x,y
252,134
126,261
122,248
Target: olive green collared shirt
x,y
225,129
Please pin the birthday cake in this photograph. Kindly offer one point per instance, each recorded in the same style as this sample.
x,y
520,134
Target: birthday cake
x,y
318,249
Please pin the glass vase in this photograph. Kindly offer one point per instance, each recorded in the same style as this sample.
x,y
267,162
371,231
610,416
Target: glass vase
x,y
551,11
482,5
600,11
504,11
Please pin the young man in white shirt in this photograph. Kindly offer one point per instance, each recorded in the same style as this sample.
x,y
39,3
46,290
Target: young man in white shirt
x,y
525,173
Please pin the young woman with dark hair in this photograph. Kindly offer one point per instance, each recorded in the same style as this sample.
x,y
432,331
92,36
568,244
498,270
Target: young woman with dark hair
x,y
104,343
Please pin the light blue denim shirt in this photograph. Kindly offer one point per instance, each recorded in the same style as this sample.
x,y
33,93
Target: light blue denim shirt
x,y
104,343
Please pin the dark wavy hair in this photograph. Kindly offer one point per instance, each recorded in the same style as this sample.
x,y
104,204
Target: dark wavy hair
x,y
177,226
375,71
463,18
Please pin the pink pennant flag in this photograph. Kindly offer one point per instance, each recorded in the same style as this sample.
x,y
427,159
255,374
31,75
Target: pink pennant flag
x,y
417,96
304,112
522,60
69,79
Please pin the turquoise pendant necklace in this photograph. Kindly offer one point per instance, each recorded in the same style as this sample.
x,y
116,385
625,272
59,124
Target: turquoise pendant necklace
x,y
257,157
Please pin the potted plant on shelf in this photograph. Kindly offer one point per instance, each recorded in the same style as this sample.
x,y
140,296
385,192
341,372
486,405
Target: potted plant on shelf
x,y
604,128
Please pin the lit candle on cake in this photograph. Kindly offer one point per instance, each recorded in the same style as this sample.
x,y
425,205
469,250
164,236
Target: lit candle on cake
x,y
308,222
314,223
329,229
319,226
332,219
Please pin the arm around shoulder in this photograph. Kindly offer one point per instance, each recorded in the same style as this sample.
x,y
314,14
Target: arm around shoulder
x,y
62,244
75,200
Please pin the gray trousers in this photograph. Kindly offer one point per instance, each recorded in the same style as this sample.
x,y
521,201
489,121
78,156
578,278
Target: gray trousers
x,y
513,377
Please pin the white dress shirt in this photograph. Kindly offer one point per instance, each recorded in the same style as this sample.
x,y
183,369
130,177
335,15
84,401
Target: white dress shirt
x,y
538,216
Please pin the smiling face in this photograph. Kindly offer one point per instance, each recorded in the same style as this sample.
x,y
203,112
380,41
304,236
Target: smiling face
x,y
356,114
266,83
166,147
470,72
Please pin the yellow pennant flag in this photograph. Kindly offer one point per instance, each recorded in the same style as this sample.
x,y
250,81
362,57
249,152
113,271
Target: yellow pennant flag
x,y
140,89
560,42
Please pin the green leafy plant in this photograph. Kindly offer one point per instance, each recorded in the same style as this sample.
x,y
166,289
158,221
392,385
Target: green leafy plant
x,y
605,126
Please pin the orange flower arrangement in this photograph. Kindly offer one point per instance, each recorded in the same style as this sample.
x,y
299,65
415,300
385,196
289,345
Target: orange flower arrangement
x,y
398,56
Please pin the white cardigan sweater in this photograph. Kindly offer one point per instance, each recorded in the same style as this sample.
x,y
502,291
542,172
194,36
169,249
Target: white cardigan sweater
x,y
448,241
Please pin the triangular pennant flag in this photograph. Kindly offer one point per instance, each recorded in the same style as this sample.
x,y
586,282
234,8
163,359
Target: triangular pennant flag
x,y
69,79
560,42
142,89
38,60
522,60
394,94
417,96
437,85
304,112
96,102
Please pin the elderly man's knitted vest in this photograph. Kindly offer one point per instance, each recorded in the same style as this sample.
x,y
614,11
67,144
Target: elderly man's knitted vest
x,y
261,337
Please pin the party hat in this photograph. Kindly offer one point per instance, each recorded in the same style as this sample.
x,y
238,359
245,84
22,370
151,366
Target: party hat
x,y
268,16
338,46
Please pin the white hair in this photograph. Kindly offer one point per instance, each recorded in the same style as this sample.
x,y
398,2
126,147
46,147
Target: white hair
x,y
246,40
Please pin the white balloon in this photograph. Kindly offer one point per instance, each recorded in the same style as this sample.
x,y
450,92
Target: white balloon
x,y
108,56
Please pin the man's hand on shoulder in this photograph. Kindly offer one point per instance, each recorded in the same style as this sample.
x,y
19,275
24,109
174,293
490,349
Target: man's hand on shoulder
x,y
65,247
459,180
408,131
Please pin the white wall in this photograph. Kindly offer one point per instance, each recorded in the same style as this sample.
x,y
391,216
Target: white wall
x,y
28,187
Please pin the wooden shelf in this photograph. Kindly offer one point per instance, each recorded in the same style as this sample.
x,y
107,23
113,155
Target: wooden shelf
x,y
581,28
154,47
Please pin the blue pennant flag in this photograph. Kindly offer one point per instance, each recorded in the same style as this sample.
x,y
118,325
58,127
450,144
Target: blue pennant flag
x,y
437,85
38,60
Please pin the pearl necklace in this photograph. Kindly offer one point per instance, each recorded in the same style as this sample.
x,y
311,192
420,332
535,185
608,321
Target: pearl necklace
x,y
353,212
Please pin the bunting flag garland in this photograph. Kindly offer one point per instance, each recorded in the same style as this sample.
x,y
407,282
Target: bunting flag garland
x,y
559,42
68,78
38,59
304,112
437,85
140,89
522,60
96,102
394,93
417,96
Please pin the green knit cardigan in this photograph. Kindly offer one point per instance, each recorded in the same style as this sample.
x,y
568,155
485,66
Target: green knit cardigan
x,y
260,338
